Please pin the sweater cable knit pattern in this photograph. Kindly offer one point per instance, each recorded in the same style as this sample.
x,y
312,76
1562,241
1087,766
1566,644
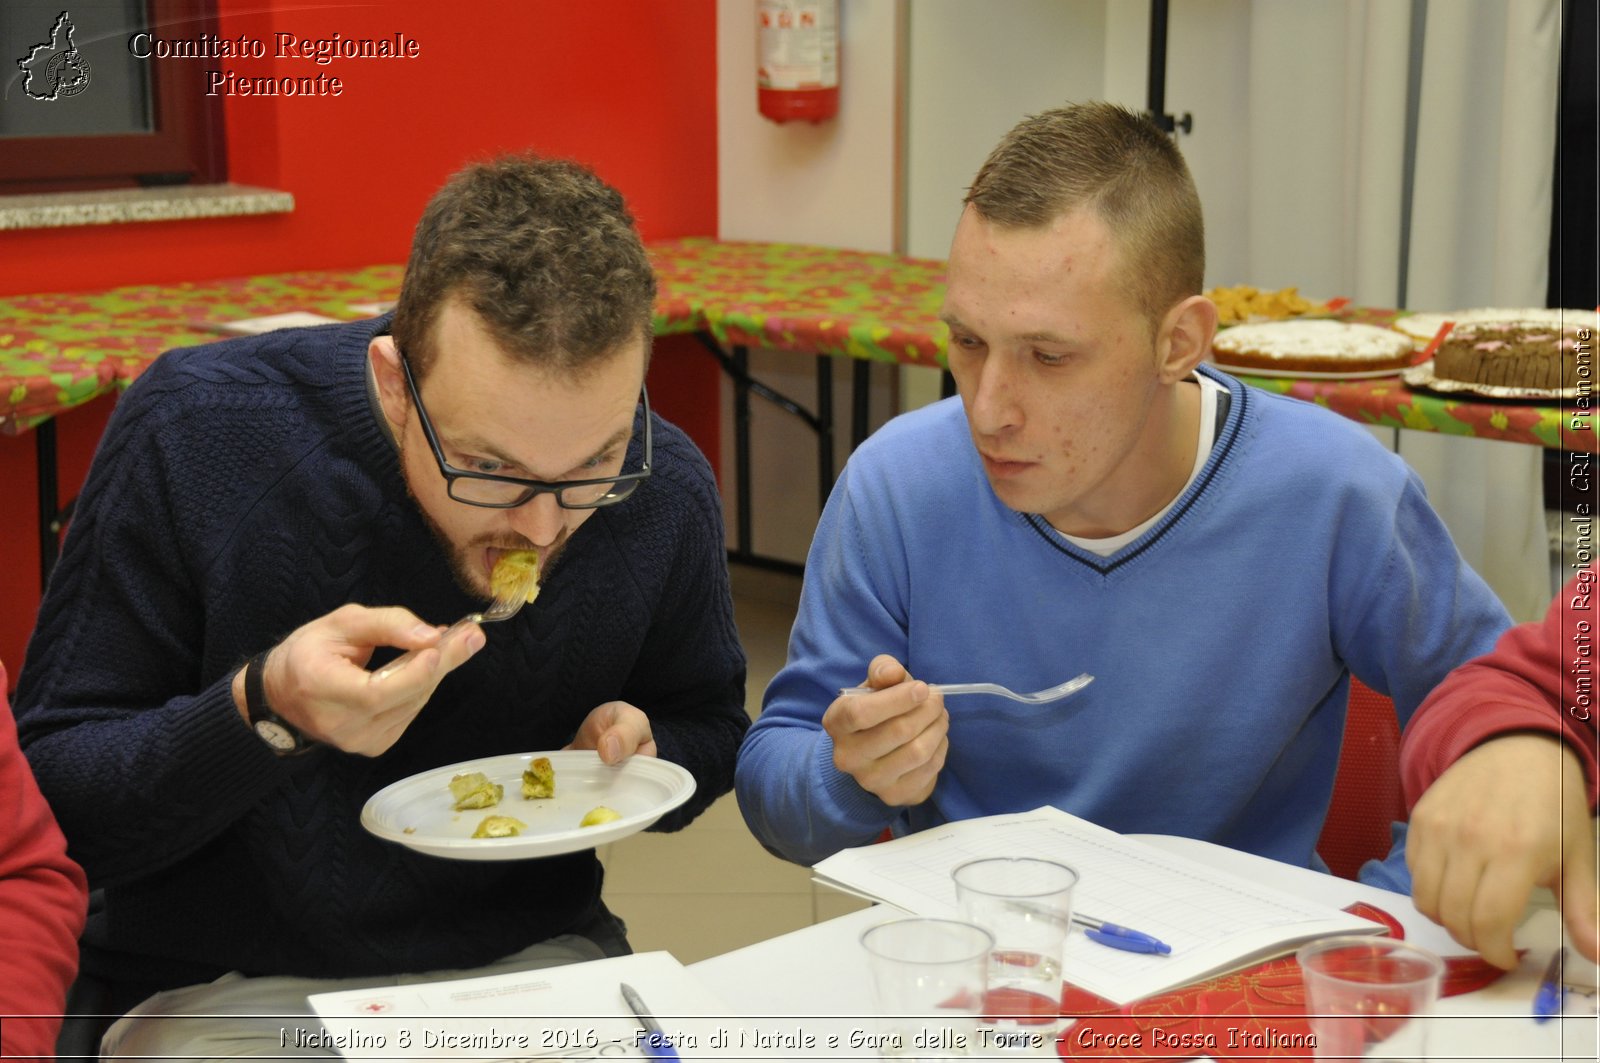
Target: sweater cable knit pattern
x,y
241,490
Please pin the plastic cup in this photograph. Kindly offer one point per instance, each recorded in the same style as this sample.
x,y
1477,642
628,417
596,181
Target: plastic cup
x,y
929,975
1362,991
1027,905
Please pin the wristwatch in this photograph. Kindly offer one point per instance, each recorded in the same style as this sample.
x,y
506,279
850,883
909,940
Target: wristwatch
x,y
278,733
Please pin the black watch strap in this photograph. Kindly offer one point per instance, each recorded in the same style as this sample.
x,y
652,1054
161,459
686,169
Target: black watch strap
x,y
281,735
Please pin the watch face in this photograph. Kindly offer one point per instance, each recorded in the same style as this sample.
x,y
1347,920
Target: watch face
x,y
276,735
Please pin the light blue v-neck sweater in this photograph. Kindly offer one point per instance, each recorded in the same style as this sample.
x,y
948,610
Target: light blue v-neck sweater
x,y
1222,640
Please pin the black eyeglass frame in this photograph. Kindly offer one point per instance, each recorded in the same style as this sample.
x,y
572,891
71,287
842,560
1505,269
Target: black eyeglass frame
x,y
532,488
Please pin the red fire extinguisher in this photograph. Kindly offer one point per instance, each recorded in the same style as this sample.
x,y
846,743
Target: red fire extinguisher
x,y
797,52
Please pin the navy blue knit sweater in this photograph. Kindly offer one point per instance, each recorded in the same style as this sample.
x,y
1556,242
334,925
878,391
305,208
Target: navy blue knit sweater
x,y
241,490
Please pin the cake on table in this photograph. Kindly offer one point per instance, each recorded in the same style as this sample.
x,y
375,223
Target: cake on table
x,y
1513,355
1424,326
1312,347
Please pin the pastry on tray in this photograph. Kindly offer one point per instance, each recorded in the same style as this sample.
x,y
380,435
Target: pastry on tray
x,y
539,779
1242,302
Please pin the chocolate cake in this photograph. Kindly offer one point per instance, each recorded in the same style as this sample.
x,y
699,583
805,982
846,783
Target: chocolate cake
x,y
1514,355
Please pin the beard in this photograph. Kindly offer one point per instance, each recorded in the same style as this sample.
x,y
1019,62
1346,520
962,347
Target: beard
x,y
465,562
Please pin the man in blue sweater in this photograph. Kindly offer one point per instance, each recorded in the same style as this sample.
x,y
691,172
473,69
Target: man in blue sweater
x,y
268,520
1098,500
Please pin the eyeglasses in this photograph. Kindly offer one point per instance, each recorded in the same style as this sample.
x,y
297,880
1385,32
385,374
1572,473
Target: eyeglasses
x,y
508,492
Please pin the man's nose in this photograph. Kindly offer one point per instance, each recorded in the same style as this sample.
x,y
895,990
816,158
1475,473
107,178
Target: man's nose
x,y
540,520
994,405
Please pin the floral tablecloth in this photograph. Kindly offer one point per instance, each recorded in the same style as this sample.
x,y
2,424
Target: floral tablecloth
x,y
60,350
797,297
1388,402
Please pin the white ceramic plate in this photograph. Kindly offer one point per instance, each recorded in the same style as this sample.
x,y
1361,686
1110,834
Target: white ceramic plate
x,y
1421,376
1365,374
1422,327
419,812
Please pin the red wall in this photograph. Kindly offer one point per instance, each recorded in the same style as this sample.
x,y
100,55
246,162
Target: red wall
x,y
625,86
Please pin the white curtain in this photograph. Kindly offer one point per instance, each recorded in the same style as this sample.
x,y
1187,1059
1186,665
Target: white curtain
x,y
1327,123
1488,109
1299,149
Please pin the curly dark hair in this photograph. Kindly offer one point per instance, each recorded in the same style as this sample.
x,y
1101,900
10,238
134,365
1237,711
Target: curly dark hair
x,y
1120,165
543,251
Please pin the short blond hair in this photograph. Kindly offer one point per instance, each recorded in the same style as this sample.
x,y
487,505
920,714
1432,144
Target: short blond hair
x,y
1120,165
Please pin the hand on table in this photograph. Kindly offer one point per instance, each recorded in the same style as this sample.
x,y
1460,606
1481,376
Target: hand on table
x,y
892,741
1511,814
616,730
317,677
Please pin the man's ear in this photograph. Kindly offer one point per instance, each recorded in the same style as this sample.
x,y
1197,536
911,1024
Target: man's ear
x,y
390,378
1185,337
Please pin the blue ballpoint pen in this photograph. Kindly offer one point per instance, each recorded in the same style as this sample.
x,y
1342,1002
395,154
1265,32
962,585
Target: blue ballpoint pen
x,y
1120,937
1547,1001
655,1045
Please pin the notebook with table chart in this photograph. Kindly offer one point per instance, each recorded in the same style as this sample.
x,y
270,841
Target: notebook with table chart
x,y
1214,920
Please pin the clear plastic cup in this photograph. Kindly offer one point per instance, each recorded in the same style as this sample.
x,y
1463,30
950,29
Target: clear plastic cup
x,y
929,975
1363,991
1026,904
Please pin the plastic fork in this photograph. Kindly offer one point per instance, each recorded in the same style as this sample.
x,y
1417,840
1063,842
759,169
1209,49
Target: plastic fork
x,y
504,607
1038,697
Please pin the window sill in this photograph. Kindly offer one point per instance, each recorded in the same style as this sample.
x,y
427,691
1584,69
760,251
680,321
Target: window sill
x,y
116,206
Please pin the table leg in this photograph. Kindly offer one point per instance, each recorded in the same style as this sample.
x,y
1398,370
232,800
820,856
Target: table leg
x,y
824,428
741,448
50,517
736,363
860,395
737,366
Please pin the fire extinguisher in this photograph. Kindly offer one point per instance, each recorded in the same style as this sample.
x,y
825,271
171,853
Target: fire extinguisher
x,y
797,53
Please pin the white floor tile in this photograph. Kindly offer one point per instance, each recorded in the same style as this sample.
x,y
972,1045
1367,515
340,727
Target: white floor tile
x,y
712,863
711,887
695,927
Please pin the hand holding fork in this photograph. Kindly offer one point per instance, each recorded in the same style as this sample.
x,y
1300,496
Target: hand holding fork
x,y
506,604
316,680
901,764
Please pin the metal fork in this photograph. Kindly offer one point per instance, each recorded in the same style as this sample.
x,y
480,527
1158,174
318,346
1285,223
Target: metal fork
x,y
1038,697
504,607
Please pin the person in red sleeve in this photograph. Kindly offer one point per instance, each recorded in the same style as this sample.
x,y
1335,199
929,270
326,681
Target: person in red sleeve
x,y
43,902
1499,765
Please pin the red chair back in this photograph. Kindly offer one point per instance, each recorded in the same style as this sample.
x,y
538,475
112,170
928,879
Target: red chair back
x,y
1366,792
